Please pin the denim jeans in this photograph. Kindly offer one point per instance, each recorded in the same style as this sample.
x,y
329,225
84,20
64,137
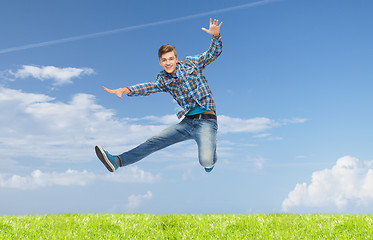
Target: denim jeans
x,y
203,131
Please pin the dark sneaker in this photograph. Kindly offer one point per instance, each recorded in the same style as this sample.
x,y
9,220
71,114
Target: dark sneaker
x,y
209,169
106,158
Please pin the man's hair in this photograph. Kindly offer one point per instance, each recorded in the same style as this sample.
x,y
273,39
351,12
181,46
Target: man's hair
x,y
165,49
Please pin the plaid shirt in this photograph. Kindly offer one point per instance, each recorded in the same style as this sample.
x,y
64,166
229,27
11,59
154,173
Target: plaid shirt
x,y
189,87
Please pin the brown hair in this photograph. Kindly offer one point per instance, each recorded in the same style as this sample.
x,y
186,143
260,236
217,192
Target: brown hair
x,y
165,49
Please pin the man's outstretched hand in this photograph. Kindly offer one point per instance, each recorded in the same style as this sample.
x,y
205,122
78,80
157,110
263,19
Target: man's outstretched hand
x,y
214,28
118,91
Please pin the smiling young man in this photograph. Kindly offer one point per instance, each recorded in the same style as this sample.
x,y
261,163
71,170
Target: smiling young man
x,y
186,83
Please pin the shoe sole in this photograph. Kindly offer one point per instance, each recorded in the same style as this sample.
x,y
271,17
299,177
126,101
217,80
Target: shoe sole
x,y
103,158
209,169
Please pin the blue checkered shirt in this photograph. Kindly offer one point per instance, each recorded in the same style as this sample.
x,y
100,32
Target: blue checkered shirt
x,y
188,87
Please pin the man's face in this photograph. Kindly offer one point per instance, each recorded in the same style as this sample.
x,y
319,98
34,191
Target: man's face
x,y
168,61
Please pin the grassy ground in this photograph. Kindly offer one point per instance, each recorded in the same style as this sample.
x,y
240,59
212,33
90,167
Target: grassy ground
x,y
210,226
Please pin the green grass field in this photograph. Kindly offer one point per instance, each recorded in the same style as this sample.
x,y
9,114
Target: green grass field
x,y
185,226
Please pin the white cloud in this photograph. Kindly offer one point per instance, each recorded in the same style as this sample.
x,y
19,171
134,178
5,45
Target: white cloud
x,y
235,125
257,161
167,119
262,135
38,179
59,76
267,136
37,126
347,186
253,125
294,120
19,97
132,174
134,201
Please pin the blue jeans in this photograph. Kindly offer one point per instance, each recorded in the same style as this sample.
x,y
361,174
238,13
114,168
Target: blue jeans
x,y
203,131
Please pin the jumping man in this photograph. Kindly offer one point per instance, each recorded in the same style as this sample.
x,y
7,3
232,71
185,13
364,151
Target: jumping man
x,y
186,83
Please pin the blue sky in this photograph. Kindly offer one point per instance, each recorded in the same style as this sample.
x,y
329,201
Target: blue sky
x,y
292,88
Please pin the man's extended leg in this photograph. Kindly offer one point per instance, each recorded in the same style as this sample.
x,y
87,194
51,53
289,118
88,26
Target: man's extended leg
x,y
171,135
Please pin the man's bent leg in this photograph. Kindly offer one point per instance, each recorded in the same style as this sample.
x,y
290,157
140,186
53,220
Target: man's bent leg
x,y
167,137
205,136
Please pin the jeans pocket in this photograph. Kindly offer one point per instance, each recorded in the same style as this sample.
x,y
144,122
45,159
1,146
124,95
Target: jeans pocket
x,y
213,122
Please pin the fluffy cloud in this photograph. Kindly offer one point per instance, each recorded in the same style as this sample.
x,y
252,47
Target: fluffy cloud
x,y
134,201
37,126
257,161
347,186
59,76
38,179
253,125
131,174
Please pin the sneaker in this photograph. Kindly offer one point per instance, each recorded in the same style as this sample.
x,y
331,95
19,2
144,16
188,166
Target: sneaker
x,y
106,158
209,169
